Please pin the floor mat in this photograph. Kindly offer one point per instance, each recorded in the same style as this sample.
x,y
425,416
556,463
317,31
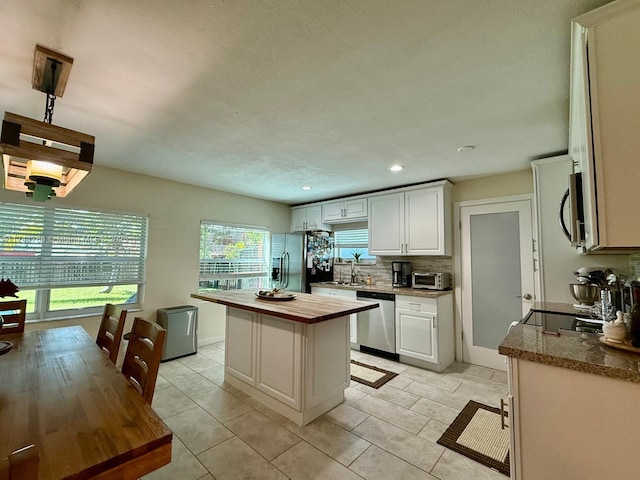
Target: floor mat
x,y
369,375
477,433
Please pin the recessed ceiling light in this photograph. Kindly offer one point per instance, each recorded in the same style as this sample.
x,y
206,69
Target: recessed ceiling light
x,y
466,148
306,187
396,168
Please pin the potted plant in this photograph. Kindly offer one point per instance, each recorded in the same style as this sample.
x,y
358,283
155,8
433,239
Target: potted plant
x,y
356,255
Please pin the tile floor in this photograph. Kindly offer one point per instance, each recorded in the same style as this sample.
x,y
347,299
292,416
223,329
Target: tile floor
x,y
390,433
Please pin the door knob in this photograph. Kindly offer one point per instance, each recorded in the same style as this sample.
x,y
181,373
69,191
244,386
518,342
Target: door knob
x,y
526,296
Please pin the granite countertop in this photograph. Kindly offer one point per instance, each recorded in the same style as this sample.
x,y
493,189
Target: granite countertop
x,y
304,308
383,288
574,350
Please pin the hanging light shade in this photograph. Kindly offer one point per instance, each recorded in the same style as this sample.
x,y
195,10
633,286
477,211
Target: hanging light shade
x,y
39,158
25,142
41,177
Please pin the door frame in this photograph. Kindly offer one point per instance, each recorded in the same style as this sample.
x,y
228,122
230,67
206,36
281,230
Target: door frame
x,y
457,254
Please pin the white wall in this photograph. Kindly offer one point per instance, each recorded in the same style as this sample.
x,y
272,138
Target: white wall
x,y
175,211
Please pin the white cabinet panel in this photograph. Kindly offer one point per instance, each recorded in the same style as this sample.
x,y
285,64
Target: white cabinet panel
x,y
280,360
424,331
386,224
239,339
345,211
307,218
605,119
412,222
415,335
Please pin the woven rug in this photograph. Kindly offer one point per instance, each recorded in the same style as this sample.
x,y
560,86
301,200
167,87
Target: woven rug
x,y
477,433
369,375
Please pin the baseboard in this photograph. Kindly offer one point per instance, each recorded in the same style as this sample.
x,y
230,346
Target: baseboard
x,y
209,340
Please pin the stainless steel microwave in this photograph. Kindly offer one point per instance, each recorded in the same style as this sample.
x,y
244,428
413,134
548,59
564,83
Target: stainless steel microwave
x,y
431,281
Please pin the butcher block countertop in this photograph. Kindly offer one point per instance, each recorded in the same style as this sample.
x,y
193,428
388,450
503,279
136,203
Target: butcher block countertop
x,y
304,308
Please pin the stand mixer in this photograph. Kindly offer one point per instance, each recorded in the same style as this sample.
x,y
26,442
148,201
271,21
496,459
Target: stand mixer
x,y
593,284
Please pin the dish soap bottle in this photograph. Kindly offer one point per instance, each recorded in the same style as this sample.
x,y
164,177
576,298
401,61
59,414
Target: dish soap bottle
x,y
369,281
635,316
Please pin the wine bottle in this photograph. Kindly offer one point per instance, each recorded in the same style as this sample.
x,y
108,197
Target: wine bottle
x,y
635,317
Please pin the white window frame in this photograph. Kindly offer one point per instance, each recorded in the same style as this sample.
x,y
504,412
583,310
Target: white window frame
x,y
265,260
42,245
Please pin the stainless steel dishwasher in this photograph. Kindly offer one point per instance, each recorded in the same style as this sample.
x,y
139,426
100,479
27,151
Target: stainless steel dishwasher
x,y
377,327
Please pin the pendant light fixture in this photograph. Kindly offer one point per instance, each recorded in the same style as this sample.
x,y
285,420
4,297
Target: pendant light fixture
x,y
39,158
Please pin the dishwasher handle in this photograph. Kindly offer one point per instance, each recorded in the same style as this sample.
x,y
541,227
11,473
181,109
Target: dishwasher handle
x,y
390,297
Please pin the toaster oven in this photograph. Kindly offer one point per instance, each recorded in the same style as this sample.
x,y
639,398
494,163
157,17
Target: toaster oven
x,y
431,281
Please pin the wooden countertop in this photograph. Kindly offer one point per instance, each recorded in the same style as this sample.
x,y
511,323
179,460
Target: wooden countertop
x,y
305,308
59,392
383,288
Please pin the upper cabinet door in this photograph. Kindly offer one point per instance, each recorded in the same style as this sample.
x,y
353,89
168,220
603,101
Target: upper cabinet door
x,y
605,96
332,212
345,211
386,224
314,218
356,209
424,223
298,219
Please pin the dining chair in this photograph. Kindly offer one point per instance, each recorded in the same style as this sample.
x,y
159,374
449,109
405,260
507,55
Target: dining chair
x,y
13,321
21,465
143,355
110,331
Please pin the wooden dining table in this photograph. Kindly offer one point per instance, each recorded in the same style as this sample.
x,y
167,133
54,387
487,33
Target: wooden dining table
x,y
59,392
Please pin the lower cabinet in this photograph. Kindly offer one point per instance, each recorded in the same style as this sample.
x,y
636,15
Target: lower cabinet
x,y
279,360
353,319
299,370
567,424
424,331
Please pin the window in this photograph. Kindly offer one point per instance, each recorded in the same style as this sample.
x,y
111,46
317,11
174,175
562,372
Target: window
x,y
350,240
233,257
65,259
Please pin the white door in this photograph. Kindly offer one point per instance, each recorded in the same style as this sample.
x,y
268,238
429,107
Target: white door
x,y
497,275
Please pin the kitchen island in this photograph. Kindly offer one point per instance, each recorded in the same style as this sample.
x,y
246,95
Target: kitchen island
x,y
573,403
293,355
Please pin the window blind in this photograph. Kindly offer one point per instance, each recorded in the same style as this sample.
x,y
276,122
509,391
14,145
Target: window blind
x,y
230,251
355,238
50,247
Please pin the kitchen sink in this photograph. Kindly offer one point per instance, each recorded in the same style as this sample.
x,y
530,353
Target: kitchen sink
x,y
346,284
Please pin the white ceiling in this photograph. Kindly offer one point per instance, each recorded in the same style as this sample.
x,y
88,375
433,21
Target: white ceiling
x,y
260,97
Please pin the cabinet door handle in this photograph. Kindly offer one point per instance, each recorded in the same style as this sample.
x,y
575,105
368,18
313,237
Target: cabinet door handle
x,y
502,414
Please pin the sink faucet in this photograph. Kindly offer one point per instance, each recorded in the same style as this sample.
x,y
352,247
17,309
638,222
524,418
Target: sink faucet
x,y
354,274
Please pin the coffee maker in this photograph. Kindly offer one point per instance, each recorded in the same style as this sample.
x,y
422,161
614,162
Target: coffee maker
x,y
401,274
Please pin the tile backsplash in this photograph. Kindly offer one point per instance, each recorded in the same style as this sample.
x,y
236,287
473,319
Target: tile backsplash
x,y
381,271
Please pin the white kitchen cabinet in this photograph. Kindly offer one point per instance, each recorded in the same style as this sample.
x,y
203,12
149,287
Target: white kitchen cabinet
x,y
353,210
424,331
353,318
240,337
299,370
307,218
414,221
567,424
279,360
605,120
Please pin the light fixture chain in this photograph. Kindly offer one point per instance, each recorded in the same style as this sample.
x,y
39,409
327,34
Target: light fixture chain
x,y
48,110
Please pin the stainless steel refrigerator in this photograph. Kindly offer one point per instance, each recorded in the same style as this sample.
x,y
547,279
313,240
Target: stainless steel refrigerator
x,y
300,259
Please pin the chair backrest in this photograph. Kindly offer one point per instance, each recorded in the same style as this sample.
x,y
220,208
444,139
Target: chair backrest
x,y
110,332
142,359
21,465
15,316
